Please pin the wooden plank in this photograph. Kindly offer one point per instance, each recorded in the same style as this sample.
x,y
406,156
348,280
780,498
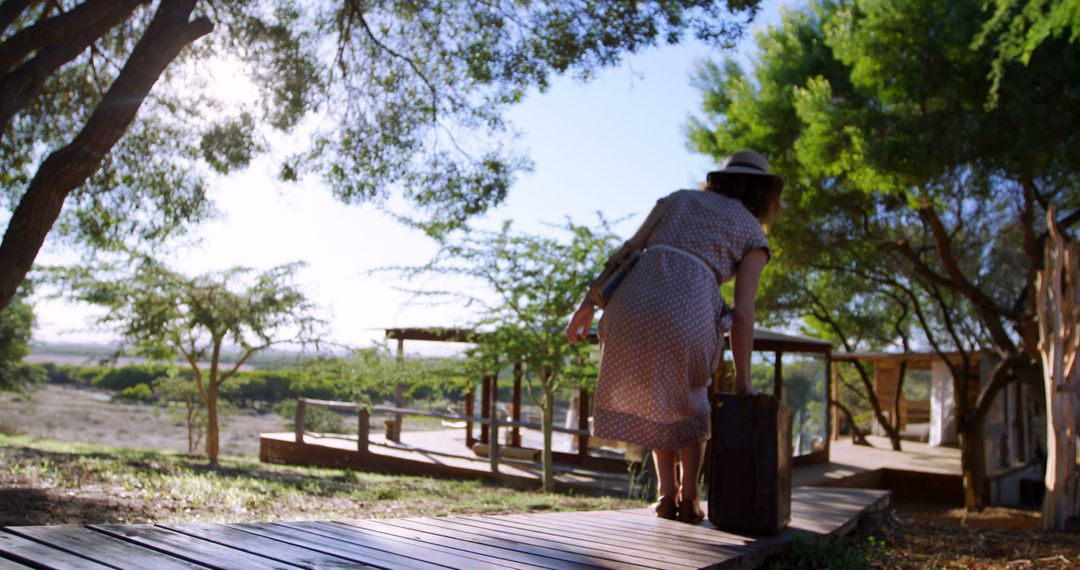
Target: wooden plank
x,y
502,557
568,538
417,550
715,546
6,564
101,547
356,552
26,551
190,548
586,555
565,559
703,534
255,544
640,545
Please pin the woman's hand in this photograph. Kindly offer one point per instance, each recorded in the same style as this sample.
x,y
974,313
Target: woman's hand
x,y
743,387
581,322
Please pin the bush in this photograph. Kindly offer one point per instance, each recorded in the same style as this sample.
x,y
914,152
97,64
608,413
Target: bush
x,y
831,553
137,393
118,379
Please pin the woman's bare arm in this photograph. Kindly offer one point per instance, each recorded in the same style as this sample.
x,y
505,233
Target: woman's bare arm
x,y
747,276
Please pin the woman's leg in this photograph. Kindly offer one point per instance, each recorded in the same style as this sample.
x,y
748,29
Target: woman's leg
x,y
691,458
666,472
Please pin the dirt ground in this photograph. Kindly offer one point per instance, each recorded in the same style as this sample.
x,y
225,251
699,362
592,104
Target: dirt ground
x,y
927,535
69,413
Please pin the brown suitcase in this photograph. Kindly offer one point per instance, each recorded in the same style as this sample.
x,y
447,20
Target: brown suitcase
x,y
749,473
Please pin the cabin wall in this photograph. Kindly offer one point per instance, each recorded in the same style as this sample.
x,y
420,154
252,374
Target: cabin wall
x,y
942,405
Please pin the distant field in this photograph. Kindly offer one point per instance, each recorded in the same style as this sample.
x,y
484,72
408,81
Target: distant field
x,y
87,415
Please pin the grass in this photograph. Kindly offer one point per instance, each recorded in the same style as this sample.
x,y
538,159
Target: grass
x,y
77,483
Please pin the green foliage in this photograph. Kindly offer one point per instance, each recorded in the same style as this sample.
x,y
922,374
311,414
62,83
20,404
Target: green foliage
x,y
137,393
16,324
121,378
531,285
1017,28
394,113
910,200
166,314
825,554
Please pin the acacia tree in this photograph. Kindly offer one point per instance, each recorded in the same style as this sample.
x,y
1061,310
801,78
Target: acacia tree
x,y
875,112
533,283
400,95
165,314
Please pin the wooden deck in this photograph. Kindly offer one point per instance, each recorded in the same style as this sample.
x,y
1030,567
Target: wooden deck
x,y
439,453
630,539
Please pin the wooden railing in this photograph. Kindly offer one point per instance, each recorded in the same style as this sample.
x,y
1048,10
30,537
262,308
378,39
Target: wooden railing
x,y
363,431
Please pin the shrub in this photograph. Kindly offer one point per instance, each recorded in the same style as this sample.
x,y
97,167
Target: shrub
x,y
118,379
137,393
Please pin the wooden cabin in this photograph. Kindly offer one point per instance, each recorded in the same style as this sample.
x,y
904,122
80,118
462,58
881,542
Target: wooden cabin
x,y
1015,427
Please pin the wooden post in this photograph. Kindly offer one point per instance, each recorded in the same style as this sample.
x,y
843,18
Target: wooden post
x,y
363,430
829,419
469,412
516,433
778,376
583,423
836,398
493,446
399,396
485,407
298,420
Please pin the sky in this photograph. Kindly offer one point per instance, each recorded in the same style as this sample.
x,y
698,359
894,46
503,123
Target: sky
x,y
614,144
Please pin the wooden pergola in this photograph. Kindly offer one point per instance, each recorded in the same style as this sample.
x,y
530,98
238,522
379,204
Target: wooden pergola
x,y
764,341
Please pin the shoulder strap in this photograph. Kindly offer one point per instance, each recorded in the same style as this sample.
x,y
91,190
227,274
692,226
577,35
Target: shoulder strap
x,y
641,237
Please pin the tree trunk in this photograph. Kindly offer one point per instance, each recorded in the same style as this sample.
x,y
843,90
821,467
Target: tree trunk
x,y
1059,347
857,435
69,167
548,423
213,386
212,422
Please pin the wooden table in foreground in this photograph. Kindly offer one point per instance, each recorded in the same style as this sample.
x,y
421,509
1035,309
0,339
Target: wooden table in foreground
x,y
632,539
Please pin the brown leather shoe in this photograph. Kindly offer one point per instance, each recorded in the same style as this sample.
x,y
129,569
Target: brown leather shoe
x,y
690,511
666,508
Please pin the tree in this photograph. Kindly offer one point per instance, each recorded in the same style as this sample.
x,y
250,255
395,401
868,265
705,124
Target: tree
x,y
390,95
175,389
16,324
1059,344
1017,29
166,314
905,181
533,283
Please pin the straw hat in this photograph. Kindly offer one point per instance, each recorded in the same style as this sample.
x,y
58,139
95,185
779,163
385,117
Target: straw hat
x,y
752,163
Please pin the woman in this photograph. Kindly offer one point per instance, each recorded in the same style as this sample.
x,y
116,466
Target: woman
x,y
662,330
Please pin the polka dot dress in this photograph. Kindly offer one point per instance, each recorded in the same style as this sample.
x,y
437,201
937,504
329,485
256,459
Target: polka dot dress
x,y
661,331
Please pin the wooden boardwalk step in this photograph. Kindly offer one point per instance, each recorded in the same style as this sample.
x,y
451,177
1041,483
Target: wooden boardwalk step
x,y
631,539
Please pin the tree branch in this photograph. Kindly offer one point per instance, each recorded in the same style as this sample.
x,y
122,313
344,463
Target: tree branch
x,y
69,167
992,312
10,11
858,436
408,60
56,42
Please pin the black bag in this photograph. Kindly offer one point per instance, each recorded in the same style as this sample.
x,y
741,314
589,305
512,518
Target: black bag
x,y
750,464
